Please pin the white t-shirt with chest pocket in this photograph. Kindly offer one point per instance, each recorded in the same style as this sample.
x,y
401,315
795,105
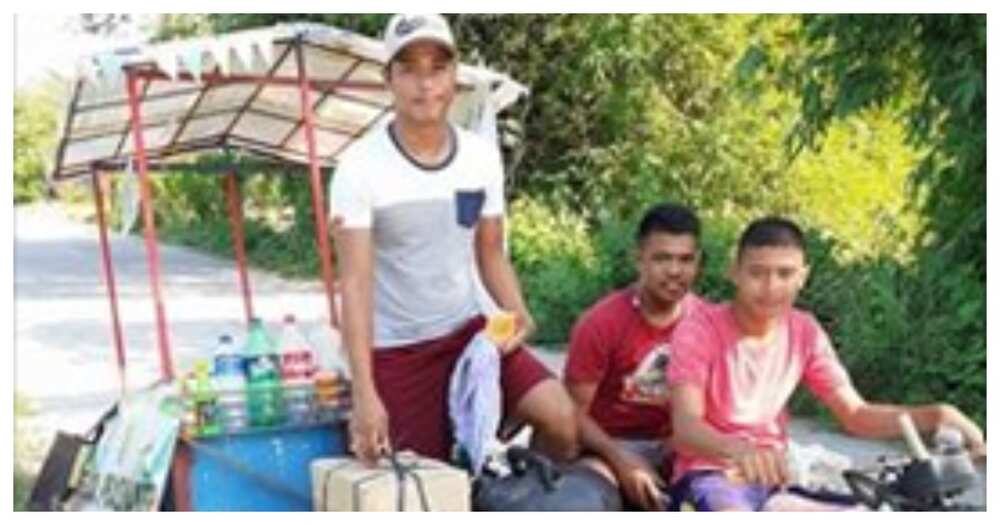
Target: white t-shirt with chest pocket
x,y
422,220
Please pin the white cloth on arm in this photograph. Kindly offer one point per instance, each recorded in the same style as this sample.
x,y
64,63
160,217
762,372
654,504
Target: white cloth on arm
x,y
475,400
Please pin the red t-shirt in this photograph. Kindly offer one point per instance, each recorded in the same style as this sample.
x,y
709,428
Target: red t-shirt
x,y
614,346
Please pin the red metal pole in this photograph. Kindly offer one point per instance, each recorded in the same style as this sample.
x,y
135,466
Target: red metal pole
x,y
109,278
152,251
319,210
234,206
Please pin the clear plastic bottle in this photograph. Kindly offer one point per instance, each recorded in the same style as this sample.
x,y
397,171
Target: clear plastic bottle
x,y
230,383
226,358
332,379
326,343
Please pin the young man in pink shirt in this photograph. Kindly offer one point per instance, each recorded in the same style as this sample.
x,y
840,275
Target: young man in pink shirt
x,y
734,367
618,355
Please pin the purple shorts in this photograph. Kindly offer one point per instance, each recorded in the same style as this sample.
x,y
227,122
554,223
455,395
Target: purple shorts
x,y
711,490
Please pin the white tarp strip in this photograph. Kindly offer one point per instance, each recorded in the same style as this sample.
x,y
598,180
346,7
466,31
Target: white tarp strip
x,y
191,58
166,60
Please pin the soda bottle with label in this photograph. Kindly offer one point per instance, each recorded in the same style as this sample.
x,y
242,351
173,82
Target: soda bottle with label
x,y
298,361
298,366
265,401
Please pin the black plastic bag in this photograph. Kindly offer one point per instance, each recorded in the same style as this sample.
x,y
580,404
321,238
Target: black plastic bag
x,y
536,484
64,464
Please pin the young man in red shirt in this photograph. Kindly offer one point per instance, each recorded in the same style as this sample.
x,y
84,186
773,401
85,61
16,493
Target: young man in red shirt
x,y
618,355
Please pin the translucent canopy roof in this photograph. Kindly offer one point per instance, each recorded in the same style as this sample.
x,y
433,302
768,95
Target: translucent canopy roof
x,y
242,91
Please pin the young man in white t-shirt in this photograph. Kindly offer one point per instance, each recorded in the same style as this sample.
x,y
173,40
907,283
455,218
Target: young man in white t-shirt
x,y
414,203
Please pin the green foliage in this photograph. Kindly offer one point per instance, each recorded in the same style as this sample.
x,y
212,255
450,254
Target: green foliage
x,y
279,227
908,333
24,476
188,25
35,124
552,253
599,87
23,482
931,70
182,25
856,191
919,329
718,241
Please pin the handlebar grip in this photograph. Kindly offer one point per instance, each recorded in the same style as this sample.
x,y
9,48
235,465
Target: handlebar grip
x,y
912,438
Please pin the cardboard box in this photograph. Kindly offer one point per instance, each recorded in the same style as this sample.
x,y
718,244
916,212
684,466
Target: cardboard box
x,y
344,484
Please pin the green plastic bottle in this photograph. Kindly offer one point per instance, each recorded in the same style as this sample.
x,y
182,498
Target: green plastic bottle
x,y
265,399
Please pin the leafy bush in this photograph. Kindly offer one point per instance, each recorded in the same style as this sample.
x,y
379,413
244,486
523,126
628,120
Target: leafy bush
x,y
908,333
25,453
34,138
557,264
278,226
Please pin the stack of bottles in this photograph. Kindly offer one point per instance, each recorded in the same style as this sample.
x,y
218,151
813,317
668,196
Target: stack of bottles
x,y
266,383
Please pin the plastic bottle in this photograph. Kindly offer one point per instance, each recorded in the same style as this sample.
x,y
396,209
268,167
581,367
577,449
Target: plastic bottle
x,y
189,414
329,354
230,383
259,342
332,378
206,400
298,361
226,358
265,403
298,366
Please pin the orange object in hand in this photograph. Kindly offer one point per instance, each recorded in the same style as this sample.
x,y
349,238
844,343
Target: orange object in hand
x,y
500,327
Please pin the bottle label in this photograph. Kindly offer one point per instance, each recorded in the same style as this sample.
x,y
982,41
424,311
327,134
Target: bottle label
x,y
263,367
229,364
297,364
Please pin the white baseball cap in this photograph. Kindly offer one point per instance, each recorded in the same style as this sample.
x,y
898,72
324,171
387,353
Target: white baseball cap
x,y
404,30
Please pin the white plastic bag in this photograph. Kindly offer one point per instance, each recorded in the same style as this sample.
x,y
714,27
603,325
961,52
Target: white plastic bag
x,y
133,457
816,467
474,400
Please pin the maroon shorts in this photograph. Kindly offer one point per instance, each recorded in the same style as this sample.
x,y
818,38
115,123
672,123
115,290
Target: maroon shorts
x,y
412,381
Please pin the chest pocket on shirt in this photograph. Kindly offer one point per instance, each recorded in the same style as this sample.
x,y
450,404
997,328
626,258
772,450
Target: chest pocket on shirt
x,y
468,206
